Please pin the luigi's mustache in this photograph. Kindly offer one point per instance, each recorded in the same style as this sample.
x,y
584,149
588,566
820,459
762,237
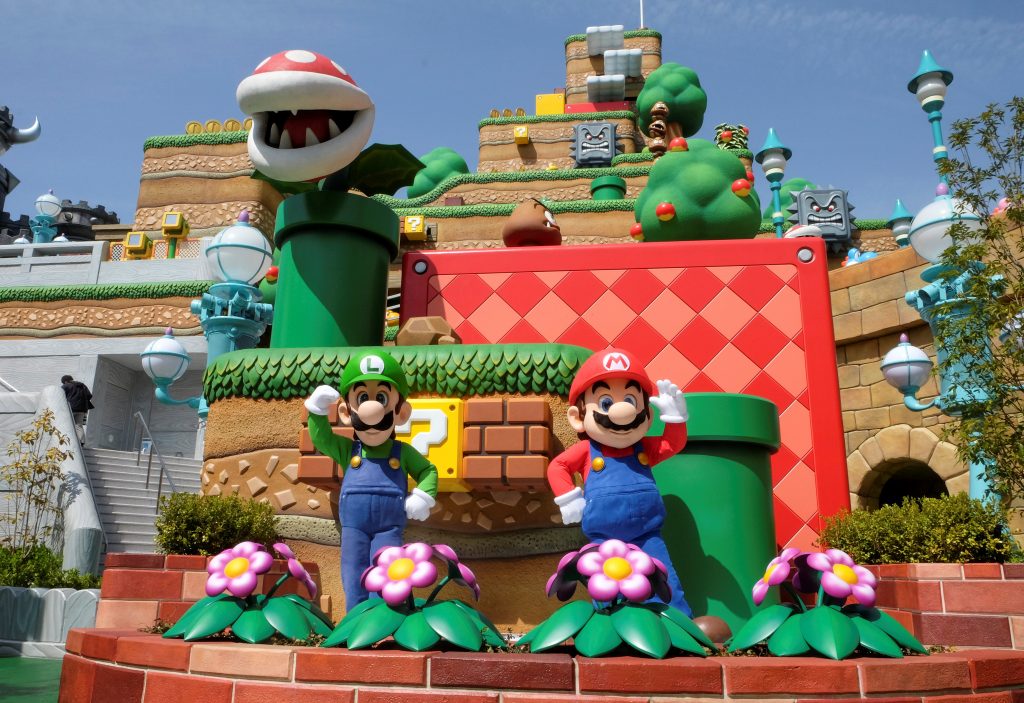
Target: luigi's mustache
x,y
604,421
385,422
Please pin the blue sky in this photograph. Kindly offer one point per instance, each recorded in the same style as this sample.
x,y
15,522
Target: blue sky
x,y
830,77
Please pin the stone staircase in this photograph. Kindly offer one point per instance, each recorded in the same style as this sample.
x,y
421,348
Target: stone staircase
x,y
127,509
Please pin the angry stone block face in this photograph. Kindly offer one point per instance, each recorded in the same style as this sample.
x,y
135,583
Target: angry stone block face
x,y
593,144
828,210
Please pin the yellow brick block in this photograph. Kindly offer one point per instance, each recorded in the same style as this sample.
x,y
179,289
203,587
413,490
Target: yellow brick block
x,y
435,431
414,227
521,133
551,104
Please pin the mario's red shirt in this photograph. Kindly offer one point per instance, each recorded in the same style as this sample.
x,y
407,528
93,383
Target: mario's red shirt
x,y
576,459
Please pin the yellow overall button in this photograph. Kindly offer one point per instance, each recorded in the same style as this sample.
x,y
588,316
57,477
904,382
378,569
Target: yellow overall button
x,y
597,464
356,461
394,463
642,458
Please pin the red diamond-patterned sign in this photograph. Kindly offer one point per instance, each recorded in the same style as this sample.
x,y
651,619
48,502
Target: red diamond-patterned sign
x,y
749,317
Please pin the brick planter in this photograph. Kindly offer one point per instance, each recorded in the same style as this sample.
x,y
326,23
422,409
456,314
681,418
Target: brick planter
x,y
966,605
138,589
130,667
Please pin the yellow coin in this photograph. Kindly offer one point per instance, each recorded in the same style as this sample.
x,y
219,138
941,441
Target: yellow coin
x,y
394,463
193,128
642,458
597,464
356,461
232,125
213,126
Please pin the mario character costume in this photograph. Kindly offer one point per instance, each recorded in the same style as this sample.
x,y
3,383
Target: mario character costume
x,y
375,502
609,404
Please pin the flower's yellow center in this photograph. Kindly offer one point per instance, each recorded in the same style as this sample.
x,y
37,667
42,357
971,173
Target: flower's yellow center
x,y
401,569
236,567
845,573
769,571
617,568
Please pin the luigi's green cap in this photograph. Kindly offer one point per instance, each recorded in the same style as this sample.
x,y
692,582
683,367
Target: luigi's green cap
x,y
374,366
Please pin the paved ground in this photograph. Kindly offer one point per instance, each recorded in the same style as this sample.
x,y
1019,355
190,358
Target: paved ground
x,y
24,680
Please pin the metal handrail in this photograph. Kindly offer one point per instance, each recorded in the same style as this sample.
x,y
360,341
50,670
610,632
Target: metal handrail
x,y
8,386
149,465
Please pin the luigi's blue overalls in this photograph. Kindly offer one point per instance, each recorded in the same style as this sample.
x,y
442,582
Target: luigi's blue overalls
x,y
623,503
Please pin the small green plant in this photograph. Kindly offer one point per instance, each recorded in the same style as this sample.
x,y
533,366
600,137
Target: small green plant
x,y
38,567
207,525
951,529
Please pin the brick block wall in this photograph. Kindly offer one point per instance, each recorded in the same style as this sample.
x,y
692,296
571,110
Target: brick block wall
x,y
507,443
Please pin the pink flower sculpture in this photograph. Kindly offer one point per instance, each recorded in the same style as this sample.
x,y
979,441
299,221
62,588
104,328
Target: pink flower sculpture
x,y
295,567
841,577
613,569
236,570
458,572
398,570
777,571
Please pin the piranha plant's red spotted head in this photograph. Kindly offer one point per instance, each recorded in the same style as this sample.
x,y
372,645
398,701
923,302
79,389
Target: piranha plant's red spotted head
x,y
309,118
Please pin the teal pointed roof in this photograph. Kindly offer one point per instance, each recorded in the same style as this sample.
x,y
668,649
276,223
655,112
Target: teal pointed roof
x,y
899,213
929,65
772,141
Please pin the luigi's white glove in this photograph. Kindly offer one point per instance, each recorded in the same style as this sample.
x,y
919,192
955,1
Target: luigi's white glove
x,y
670,403
321,399
571,504
418,505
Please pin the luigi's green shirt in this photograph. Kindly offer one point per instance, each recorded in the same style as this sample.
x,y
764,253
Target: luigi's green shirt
x,y
339,448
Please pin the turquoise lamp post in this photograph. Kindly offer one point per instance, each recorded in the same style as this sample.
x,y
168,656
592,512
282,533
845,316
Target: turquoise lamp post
x,y
231,313
47,208
899,223
773,157
929,86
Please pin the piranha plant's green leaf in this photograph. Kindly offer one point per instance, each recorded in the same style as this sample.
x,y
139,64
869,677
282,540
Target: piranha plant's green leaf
x,y
563,624
597,637
375,625
383,168
642,630
252,627
215,617
887,624
874,639
416,634
289,618
788,640
190,615
449,621
829,632
760,627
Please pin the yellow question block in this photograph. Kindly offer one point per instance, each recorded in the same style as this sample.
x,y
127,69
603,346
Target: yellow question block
x,y
414,227
521,134
551,104
435,431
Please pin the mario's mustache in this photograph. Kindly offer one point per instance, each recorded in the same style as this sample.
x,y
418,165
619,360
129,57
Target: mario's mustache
x,y
385,422
604,421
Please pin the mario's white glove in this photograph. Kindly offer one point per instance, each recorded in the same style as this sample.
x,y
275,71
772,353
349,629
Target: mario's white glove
x,y
571,504
321,399
670,403
418,505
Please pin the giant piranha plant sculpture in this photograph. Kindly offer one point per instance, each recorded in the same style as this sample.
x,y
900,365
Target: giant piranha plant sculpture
x,y
415,623
832,627
620,578
311,122
232,604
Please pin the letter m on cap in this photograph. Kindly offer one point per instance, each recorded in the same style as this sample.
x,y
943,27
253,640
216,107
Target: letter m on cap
x,y
615,362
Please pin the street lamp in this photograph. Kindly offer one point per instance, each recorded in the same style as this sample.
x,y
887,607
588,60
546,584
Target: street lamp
x,y
899,223
773,157
47,208
929,86
165,361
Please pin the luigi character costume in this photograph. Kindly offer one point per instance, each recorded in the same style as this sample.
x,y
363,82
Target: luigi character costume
x,y
609,407
375,501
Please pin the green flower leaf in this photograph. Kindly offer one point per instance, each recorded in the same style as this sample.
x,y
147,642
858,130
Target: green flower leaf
x,y
682,639
597,637
760,627
190,615
563,624
215,617
490,633
289,618
642,630
345,627
887,624
375,625
252,627
874,639
788,640
416,634
449,621
829,632
312,608
680,619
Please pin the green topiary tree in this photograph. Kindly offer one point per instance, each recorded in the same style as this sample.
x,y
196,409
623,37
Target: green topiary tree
x,y
690,195
793,185
679,88
438,165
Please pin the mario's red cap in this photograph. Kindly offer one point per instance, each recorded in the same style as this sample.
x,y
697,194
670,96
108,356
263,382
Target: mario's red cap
x,y
610,363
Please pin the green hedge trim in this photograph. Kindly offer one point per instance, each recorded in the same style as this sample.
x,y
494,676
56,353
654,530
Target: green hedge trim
x,y
557,207
207,138
453,370
640,157
865,225
628,34
561,117
49,294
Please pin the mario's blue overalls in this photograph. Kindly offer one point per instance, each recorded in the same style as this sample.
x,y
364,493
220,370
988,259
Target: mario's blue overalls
x,y
372,512
623,503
